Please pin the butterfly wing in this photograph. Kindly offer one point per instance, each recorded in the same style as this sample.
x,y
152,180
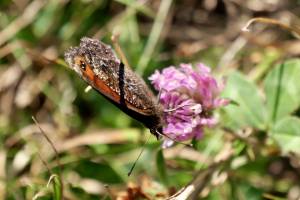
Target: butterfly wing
x,y
97,64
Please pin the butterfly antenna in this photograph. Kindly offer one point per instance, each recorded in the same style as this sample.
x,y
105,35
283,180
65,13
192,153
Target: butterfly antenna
x,y
142,150
174,140
174,109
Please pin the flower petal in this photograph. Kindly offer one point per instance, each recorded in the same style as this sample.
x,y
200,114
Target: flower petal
x,y
188,96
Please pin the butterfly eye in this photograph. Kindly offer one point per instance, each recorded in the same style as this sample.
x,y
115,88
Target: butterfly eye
x,y
82,65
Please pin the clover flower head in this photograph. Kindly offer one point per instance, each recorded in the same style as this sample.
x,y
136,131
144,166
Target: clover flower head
x,y
188,97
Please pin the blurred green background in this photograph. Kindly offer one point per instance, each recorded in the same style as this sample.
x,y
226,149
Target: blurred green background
x,y
256,144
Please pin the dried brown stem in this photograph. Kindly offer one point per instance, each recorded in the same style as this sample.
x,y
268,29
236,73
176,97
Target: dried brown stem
x,y
192,190
114,39
50,142
201,180
289,27
25,19
44,163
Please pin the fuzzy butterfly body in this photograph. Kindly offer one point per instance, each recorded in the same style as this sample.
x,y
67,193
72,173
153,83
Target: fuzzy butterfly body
x,y
97,64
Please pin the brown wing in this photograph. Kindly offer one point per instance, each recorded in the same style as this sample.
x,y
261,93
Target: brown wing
x,y
110,77
96,63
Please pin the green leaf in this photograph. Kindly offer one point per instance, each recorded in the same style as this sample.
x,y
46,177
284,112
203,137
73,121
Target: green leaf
x,y
215,194
282,90
250,110
249,192
161,167
57,188
286,132
103,172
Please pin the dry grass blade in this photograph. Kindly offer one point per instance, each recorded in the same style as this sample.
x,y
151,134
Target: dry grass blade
x,y
44,163
290,27
22,21
192,190
9,77
187,153
42,60
114,39
100,137
58,185
203,177
50,142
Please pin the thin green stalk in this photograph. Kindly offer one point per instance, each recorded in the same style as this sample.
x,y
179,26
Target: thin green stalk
x,y
154,35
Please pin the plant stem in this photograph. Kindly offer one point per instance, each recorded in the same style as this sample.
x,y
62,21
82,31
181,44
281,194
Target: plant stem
x,y
154,35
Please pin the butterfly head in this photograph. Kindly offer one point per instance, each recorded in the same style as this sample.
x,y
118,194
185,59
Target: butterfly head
x,y
91,56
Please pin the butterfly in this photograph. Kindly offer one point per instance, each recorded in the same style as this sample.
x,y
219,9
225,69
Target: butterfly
x,y
96,63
